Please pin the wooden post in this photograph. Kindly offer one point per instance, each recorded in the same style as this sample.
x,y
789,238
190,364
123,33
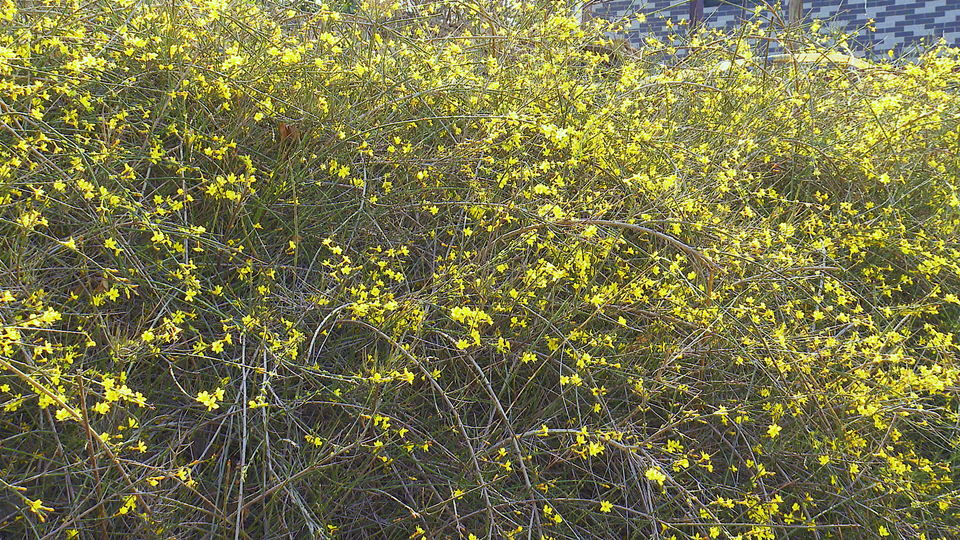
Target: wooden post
x,y
795,12
696,13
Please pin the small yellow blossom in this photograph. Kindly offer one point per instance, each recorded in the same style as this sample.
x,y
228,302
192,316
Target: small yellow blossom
x,y
36,506
655,474
211,400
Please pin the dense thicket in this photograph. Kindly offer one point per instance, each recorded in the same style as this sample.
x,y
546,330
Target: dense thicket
x,y
469,271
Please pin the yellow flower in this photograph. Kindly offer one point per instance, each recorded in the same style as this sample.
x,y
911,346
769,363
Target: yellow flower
x,y
655,474
70,243
773,430
606,506
210,400
128,505
595,448
290,56
37,507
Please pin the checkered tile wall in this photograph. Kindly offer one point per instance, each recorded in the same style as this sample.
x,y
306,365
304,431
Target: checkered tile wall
x,y
900,24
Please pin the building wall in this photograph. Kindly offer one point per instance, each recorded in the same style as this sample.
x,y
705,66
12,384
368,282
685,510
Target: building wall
x,y
900,24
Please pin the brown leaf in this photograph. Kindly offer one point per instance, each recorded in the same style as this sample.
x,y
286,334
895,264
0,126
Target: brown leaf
x,y
288,132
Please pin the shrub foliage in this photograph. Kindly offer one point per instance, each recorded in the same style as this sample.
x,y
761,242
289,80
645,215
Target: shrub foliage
x,y
468,271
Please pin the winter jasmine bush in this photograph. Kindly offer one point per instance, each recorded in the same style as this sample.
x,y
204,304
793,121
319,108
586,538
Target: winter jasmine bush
x,y
465,270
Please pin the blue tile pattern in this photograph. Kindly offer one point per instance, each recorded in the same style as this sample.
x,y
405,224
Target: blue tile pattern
x,y
901,25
